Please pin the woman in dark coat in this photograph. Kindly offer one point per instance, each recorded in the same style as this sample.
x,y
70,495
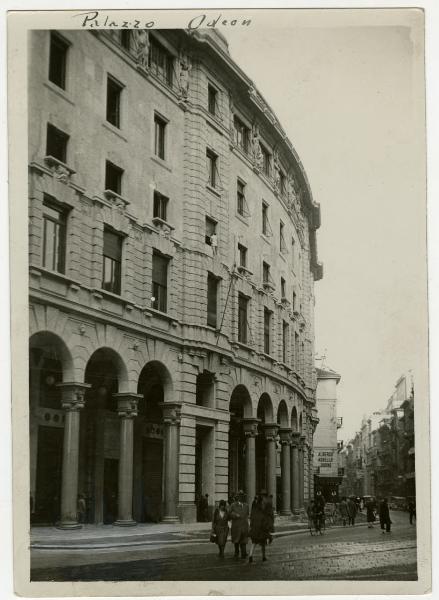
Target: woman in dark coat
x,y
220,526
260,522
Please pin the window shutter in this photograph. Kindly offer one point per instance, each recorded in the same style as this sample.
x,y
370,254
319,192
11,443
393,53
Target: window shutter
x,y
159,269
112,245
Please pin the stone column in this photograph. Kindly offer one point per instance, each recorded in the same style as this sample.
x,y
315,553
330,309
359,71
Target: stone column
x,y
250,432
270,431
72,402
295,472
127,410
301,469
285,465
171,418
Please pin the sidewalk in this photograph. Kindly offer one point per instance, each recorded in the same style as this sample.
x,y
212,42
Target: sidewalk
x,y
111,536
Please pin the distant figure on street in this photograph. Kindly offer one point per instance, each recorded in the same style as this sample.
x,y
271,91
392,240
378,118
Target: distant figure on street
x,y
320,501
269,511
204,508
81,508
259,527
370,513
385,521
239,515
352,511
220,526
343,510
411,506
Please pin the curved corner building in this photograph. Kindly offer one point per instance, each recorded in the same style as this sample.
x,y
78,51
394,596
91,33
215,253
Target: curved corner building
x,y
172,253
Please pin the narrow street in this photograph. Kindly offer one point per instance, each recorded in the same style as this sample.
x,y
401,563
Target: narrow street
x,y
355,553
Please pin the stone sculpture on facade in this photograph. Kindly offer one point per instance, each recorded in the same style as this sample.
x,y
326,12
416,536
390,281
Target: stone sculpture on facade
x,y
256,151
183,76
141,37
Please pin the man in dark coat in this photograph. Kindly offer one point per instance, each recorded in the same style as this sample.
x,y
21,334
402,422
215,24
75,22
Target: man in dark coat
x,y
239,514
385,521
352,511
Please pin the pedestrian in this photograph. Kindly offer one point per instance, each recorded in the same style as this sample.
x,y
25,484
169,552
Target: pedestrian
x,y
81,508
370,513
269,511
319,513
343,510
239,515
412,510
352,511
259,527
385,521
220,526
204,508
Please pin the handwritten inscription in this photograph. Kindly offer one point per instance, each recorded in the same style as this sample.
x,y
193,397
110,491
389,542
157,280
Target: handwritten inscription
x,y
96,19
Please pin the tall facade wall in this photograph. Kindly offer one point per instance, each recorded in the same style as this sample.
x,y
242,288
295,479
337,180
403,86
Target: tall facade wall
x,y
73,319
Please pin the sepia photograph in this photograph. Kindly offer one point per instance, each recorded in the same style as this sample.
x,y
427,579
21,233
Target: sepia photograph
x,y
223,261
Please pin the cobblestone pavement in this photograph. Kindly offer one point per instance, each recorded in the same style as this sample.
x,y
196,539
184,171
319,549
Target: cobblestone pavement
x,y
341,553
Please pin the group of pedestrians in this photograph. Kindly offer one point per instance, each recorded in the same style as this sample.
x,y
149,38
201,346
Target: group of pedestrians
x,y
256,524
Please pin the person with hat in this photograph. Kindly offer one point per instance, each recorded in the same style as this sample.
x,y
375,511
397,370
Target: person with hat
x,y
239,515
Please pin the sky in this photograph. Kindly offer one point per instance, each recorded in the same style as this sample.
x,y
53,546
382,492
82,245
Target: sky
x,y
346,97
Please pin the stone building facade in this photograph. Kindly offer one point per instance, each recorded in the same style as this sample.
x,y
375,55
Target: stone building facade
x,y
326,471
172,255
380,459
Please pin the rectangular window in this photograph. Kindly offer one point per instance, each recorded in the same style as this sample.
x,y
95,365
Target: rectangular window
x,y
125,38
211,158
242,318
211,99
160,61
265,273
266,161
159,282
56,143
242,135
114,91
240,197
283,288
212,300
285,335
293,255
111,274
242,256
113,177
294,301
282,245
54,235
58,61
210,230
267,326
159,137
264,218
160,206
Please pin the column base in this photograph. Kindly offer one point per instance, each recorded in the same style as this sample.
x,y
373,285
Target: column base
x,y
68,525
296,511
125,523
170,519
285,513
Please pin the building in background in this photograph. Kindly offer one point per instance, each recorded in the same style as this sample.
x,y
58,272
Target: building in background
x,y
380,459
172,255
326,469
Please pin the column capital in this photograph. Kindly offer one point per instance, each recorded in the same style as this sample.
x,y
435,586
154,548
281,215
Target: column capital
x,y
270,430
250,426
73,395
285,436
171,412
127,404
